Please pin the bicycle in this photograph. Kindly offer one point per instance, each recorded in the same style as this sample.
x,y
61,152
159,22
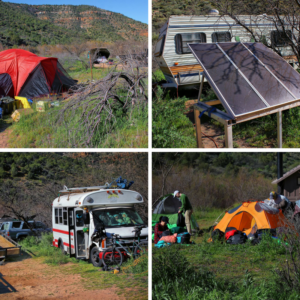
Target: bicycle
x,y
112,257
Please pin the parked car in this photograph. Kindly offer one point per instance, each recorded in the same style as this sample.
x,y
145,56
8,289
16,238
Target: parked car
x,y
18,230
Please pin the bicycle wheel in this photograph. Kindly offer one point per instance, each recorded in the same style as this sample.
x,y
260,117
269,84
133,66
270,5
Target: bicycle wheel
x,y
140,249
112,257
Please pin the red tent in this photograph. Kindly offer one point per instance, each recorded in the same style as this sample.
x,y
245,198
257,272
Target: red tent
x,y
23,73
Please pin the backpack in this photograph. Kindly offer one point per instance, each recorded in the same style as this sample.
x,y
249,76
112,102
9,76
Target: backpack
x,y
183,238
180,220
238,238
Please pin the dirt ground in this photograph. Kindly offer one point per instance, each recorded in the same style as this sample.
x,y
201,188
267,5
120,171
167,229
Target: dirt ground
x,y
31,279
4,134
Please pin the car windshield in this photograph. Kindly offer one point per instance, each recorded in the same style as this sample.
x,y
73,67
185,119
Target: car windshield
x,y
115,217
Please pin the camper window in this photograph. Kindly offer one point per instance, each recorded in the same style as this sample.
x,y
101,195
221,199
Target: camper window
x,y
281,38
221,36
183,39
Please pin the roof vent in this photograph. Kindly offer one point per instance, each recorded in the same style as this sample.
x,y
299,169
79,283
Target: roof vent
x,y
213,12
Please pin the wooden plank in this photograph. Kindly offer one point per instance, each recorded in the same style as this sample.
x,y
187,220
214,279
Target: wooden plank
x,y
279,129
212,102
198,129
228,136
188,68
4,243
267,111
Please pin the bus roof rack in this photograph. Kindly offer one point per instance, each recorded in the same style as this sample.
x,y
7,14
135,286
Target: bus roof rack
x,y
119,183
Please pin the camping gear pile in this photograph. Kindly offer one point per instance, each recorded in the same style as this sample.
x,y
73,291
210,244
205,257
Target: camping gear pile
x,y
249,220
26,78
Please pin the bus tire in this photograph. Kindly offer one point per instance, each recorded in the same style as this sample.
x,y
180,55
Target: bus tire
x,y
61,246
94,257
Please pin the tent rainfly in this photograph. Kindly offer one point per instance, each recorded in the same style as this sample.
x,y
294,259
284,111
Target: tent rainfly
x,y
23,73
249,217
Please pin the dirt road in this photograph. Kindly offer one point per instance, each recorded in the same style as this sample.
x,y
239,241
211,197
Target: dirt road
x,y
32,279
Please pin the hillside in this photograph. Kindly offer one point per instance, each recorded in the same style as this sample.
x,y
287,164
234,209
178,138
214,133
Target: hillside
x,y
22,24
34,179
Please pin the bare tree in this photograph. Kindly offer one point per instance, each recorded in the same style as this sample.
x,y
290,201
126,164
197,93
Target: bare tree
x,y
282,15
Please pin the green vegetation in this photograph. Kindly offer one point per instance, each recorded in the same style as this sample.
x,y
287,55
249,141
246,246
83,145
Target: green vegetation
x,y
42,130
170,127
134,274
259,132
32,25
218,270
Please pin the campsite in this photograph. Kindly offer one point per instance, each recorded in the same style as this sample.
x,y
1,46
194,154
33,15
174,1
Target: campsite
x,y
245,249
56,266
87,90
222,73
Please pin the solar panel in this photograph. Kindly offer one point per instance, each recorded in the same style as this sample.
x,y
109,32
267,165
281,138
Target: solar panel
x,y
247,77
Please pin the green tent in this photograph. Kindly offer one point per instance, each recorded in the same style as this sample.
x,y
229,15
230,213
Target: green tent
x,y
168,206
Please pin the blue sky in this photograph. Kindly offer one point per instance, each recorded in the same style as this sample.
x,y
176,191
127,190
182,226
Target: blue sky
x,y
135,9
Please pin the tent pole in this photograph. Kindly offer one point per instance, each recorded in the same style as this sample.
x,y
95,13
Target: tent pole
x,y
198,128
228,136
279,129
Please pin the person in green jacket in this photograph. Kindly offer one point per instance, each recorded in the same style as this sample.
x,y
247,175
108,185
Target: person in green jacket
x,y
185,208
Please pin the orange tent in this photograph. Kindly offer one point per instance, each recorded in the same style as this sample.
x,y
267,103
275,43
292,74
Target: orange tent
x,y
251,216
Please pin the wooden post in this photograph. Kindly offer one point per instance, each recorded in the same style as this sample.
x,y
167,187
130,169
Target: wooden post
x,y
228,136
198,128
201,87
279,129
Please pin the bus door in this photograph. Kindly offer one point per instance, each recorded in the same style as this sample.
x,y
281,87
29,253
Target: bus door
x,y
81,238
71,224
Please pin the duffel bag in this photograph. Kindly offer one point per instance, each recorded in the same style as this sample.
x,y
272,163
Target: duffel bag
x,y
183,238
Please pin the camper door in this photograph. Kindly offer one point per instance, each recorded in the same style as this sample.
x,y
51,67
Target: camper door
x,y
81,237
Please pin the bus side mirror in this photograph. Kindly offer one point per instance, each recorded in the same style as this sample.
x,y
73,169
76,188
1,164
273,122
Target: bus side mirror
x,y
86,217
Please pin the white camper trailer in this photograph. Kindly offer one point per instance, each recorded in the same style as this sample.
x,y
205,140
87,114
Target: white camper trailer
x,y
176,60
77,214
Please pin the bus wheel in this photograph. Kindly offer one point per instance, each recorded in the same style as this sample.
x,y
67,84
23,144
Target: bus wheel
x,y
62,248
94,258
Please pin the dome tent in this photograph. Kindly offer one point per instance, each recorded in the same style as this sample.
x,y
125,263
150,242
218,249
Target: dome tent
x,y
168,206
250,216
23,73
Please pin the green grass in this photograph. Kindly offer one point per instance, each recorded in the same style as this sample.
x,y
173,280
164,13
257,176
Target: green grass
x,y
260,133
218,270
132,281
42,130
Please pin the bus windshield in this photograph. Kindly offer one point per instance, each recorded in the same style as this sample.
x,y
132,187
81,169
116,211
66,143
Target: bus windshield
x,y
115,217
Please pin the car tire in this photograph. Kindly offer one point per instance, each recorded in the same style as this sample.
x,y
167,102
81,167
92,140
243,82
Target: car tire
x,y
94,257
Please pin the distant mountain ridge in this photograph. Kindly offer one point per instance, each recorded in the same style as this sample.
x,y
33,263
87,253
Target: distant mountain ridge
x,y
54,24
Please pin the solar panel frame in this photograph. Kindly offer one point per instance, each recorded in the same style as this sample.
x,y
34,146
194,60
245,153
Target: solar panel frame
x,y
222,98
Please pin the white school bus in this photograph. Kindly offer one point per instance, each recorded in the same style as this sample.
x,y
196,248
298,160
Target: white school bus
x,y
178,64
79,216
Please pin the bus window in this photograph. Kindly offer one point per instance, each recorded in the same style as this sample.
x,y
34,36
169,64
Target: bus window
x,y
183,39
60,215
221,36
65,216
56,215
79,218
